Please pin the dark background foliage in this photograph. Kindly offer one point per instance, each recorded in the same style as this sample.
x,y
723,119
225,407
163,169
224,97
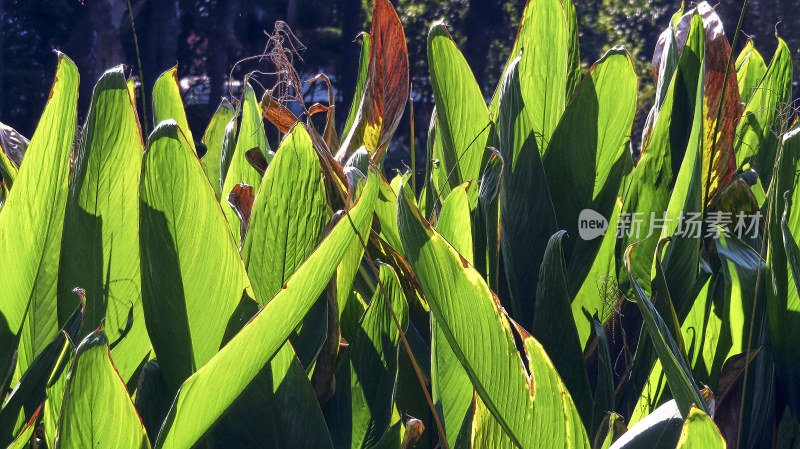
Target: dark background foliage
x,y
206,38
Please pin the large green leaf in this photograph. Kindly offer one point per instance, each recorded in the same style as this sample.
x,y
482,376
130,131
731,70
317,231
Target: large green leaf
x,y
213,139
168,104
534,410
191,281
451,388
287,217
554,327
585,159
700,432
547,67
766,116
31,225
97,411
239,170
650,184
750,69
783,299
208,393
463,118
678,374
524,197
359,412
100,247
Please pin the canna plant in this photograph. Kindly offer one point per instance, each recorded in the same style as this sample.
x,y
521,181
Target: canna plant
x,y
245,297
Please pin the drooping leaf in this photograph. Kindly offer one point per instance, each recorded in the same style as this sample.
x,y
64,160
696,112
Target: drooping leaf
x,y
94,383
100,246
463,118
277,114
210,391
191,281
251,135
534,410
31,225
213,139
168,104
385,90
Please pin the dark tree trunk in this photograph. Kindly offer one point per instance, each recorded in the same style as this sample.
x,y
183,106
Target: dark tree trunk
x,y
347,66
223,47
97,45
159,41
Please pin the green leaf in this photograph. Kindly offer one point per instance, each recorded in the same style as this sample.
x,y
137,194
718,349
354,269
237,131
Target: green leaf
x,y
783,298
574,62
699,431
168,104
598,291
287,217
363,65
31,225
359,412
100,246
546,66
251,135
534,410
93,385
205,396
214,138
463,118
750,69
55,394
524,197
649,189
451,388
585,159
554,327
23,440
679,376
278,407
766,116
191,281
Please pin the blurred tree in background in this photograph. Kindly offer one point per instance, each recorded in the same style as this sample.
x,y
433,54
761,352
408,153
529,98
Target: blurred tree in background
x,y
206,38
